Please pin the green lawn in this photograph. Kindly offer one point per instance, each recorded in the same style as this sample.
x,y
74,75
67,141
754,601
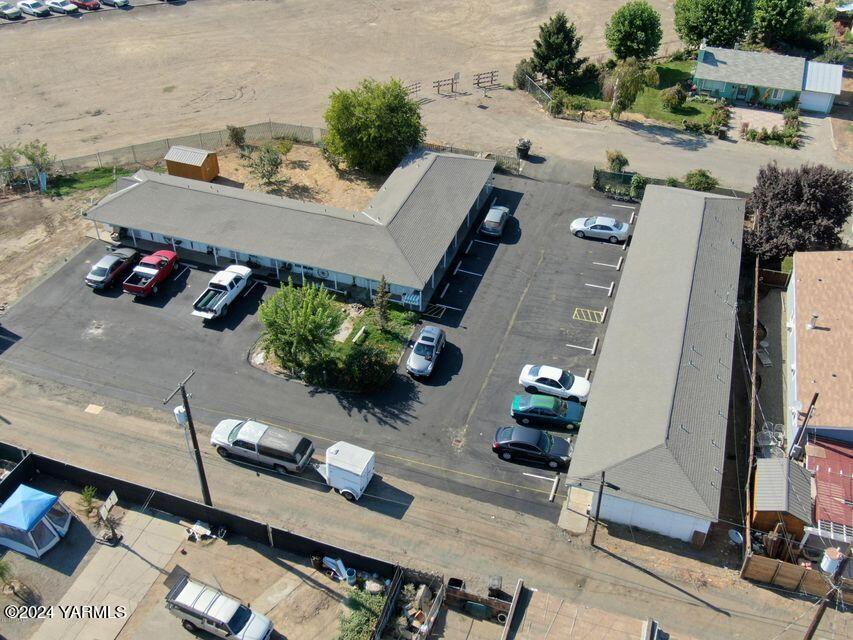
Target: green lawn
x,y
393,338
648,102
85,180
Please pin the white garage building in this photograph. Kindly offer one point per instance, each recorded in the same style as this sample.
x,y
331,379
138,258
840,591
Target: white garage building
x,y
656,420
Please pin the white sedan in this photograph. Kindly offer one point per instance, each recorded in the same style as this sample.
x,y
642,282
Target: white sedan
x,y
34,8
609,229
61,6
554,382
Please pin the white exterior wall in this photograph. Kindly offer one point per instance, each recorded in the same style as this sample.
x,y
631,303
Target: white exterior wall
x,y
792,413
643,516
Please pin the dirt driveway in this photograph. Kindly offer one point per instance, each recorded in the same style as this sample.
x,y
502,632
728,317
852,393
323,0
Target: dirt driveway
x,y
157,71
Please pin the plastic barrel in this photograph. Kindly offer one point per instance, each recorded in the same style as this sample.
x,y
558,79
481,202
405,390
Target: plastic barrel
x,y
350,577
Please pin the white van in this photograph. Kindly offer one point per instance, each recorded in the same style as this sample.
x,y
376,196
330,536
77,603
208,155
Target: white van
x,y
200,606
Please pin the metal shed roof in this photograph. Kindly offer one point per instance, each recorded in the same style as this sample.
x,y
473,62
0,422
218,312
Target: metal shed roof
x,y
187,155
823,78
402,234
783,486
657,412
753,68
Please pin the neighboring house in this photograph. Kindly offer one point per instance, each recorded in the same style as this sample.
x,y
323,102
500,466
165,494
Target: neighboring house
x,y
187,162
783,494
409,233
820,345
831,463
755,76
658,414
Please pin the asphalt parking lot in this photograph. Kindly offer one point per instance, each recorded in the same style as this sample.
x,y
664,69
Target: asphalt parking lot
x,y
537,297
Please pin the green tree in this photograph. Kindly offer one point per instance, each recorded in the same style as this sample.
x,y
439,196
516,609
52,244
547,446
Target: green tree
x,y
721,23
523,70
8,159
555,52
800,209
300,325
700,180
625,83
380,303
367,367
36,153
236,135
616,161
265,163
634,31
374,125
778,20
673,98
6,573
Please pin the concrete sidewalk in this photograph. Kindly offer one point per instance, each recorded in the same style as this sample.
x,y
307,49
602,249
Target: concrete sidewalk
x,y
117,576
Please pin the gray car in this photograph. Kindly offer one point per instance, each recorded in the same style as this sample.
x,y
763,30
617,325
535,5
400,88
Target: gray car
x,y
9,12
109,269
425,352
495,221
600,227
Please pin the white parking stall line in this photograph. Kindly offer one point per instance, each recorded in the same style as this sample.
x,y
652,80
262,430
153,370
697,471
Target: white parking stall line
x,y
623,206
456,270
252,286
491,244
617,266
182,272
591,349
533,475
470,244
443,291
447,306
470,273
599,286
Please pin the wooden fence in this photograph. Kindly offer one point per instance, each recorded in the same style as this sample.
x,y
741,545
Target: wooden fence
x,y
789,576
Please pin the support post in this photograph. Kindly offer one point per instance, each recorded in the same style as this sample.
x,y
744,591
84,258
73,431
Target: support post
x,y
597,509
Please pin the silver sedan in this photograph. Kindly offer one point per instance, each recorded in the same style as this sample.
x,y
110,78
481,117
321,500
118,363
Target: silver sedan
x,y
609,229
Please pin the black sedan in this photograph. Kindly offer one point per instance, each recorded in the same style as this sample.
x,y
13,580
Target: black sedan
x,y
532,445
108,270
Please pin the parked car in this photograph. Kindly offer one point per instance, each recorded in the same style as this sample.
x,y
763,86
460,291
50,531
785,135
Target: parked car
x,y
89,5
609,229
9,12
553,382
540,409
150,273
495,221
532,445
222,290
202,607
107,271
34,8
284,451
425,352
116,3
348,469
61,6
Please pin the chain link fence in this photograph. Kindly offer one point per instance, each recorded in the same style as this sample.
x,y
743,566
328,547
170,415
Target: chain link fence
x,y
150,153
542,97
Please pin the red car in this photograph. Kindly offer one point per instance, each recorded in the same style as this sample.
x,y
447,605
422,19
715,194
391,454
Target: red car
x,y
90,5
149,273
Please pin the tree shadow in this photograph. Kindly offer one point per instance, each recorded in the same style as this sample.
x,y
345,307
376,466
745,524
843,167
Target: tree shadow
x,y
667,136
297,192
302,165
391,407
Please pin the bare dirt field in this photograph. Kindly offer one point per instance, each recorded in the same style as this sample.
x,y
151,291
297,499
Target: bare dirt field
x,y
36,234
305,175
166,69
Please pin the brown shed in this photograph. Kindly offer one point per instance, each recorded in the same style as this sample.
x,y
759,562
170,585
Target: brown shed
x,y
783,493
196,164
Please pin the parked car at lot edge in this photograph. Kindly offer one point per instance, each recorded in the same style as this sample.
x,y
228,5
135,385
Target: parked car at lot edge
x,y
532,445
200,607
494,222
151,271
425,352
554,382
284,451
89,5
9,12
540,409
34,8
116,3
609,229
222,290
61,6
107,271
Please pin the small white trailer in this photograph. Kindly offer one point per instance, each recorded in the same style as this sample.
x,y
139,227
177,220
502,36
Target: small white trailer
x,y
223,289
348,469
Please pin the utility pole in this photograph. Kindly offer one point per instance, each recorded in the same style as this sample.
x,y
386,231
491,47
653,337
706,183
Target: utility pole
x,y
602,484
834,591
182,389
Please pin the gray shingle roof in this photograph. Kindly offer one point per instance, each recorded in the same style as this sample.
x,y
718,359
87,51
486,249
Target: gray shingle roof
x,y
402,234
753,68
657,413
187,155
824,78
783,486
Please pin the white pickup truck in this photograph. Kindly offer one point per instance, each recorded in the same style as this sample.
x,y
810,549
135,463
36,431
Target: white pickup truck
x,y
222,290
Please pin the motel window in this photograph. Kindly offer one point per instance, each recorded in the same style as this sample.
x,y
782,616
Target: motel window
x,y
777,94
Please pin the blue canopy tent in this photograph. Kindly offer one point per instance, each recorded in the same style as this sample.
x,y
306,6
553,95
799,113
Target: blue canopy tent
x,y
32,521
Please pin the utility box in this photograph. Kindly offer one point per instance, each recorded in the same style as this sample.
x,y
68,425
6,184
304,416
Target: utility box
x,y
348,469
188,162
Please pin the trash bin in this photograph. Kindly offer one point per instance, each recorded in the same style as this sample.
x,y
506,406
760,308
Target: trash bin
x,y
722,134
522,149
